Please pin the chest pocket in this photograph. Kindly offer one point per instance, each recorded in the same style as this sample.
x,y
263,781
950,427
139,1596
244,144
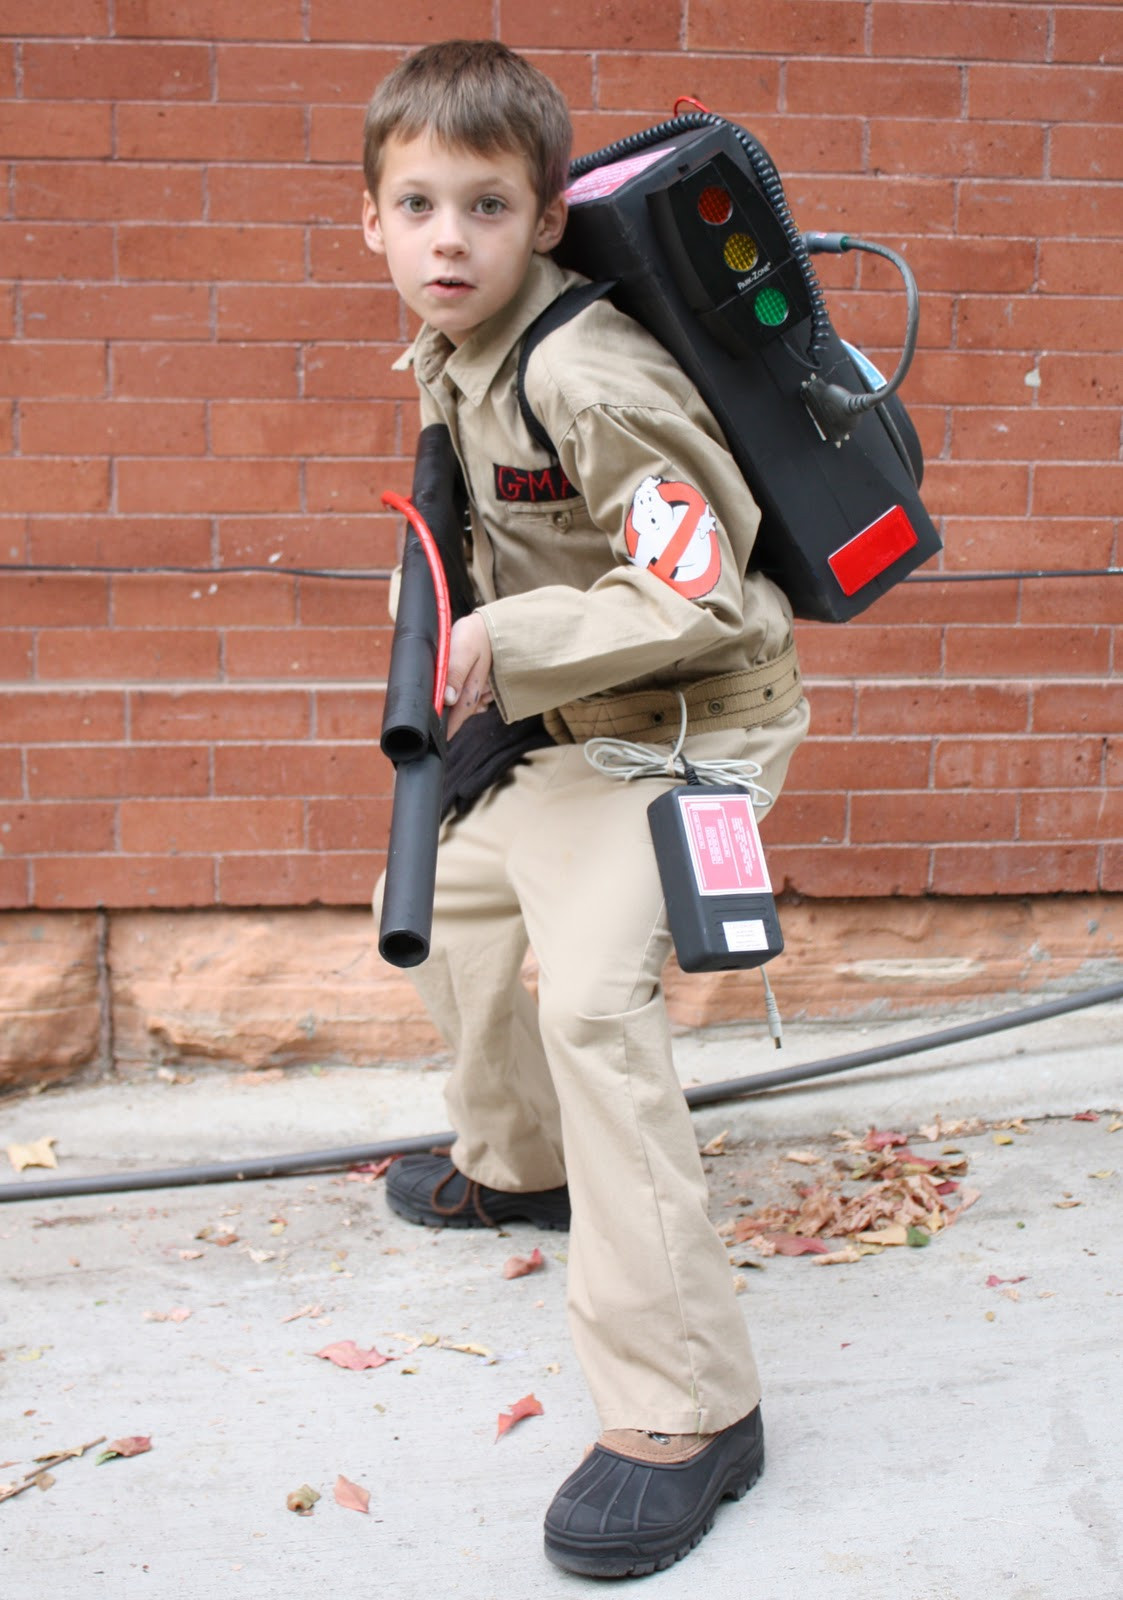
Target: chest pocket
x,y
544,543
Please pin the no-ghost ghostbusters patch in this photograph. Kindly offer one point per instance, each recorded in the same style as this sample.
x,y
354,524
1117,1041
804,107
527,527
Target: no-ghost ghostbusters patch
x,y
670,531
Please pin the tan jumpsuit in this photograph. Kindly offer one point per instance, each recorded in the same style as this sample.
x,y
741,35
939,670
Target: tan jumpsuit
x,y
607,580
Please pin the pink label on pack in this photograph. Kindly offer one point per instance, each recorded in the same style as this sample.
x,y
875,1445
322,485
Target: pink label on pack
x,y
606,180
724,844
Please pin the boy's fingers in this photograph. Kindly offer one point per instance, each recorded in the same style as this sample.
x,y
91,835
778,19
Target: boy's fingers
x,y
473,696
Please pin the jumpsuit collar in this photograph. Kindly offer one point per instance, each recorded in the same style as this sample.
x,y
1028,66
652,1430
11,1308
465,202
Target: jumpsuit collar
x,y
473,365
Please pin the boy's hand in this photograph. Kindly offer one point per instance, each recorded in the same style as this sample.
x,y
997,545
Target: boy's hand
x,y
469,667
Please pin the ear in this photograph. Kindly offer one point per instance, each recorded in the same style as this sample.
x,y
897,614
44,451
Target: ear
x,y
551,224
372,232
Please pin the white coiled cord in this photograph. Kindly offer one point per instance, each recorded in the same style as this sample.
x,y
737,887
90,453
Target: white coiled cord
x,y
620,758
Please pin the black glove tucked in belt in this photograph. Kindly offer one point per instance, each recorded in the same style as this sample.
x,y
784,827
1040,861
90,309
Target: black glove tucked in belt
x,y
482,752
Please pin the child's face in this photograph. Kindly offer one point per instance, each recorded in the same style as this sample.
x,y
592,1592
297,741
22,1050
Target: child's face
x,y
457,229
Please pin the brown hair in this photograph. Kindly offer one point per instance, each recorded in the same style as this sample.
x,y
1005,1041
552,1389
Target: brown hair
x,y
473,94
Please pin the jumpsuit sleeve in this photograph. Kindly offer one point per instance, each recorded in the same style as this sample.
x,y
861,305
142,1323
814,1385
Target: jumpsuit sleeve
x,y
679,524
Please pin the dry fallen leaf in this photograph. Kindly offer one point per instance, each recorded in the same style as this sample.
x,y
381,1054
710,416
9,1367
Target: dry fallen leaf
x,y
880,1139
967,1198
346,1353
806,1158
793,1244
302,1500
1086,1116
36,1154
909,1161
520,1266
176,1314
369,1171
528,1406
836,1257
351,1495
43,1464
471,1350
220,1236
716,1145
55,1457
305,1311
135,1445
895,1233
949,1130
169,1075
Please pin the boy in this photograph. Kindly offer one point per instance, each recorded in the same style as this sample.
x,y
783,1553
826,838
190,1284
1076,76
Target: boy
x,y
594,610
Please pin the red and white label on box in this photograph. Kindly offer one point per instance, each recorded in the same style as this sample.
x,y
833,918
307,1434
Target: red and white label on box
x,y
724,844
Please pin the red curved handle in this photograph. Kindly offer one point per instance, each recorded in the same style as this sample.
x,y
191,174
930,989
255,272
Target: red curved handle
x,y
398,502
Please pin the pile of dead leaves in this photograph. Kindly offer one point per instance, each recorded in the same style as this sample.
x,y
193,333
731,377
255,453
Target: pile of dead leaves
x,y
883,1194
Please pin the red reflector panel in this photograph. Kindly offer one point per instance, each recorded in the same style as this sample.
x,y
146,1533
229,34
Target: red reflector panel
x,y
868,553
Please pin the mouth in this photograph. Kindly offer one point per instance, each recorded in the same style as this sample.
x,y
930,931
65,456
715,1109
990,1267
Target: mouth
x,y
449,284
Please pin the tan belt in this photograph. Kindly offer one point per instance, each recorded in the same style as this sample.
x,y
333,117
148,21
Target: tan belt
x,y
732,700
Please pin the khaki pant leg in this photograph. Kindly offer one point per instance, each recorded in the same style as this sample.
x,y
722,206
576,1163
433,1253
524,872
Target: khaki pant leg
x,y
500,1098
657,1327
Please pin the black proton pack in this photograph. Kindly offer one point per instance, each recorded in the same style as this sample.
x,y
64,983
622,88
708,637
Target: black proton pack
x,y
686,228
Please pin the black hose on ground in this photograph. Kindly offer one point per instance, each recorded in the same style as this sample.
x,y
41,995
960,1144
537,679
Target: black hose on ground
x,y
708,1094
311,1161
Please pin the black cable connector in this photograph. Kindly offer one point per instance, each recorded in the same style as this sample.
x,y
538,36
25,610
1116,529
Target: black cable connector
x,y
832,407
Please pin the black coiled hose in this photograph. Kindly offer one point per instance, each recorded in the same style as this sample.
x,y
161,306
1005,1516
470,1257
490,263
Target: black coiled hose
x,y
765,170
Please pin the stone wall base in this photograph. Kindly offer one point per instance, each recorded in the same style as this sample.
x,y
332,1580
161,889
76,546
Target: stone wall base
x,y
93,992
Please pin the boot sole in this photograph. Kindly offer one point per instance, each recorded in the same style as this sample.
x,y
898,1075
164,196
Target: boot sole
x,y
621,1563
425,1217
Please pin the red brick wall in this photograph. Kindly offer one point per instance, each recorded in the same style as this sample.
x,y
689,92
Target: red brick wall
x,y
196,373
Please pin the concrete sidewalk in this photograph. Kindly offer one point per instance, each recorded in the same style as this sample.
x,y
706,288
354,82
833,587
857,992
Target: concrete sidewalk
x,y
930,1437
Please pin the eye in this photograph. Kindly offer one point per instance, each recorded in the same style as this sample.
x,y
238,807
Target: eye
x,y
490,205
414,204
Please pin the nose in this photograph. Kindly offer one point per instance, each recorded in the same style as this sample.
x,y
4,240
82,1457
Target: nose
x,y
448,236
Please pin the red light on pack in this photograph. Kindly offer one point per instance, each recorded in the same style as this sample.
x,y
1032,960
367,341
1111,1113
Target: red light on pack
x,y
867,554
715,204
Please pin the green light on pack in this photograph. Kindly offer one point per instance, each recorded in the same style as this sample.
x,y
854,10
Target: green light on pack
x,y
771,307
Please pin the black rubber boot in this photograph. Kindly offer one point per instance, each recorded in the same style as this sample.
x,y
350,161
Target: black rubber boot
x,y
620,1518
431,1191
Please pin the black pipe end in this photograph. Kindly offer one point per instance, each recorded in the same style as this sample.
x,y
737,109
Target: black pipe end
x,y
404,743
403,948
